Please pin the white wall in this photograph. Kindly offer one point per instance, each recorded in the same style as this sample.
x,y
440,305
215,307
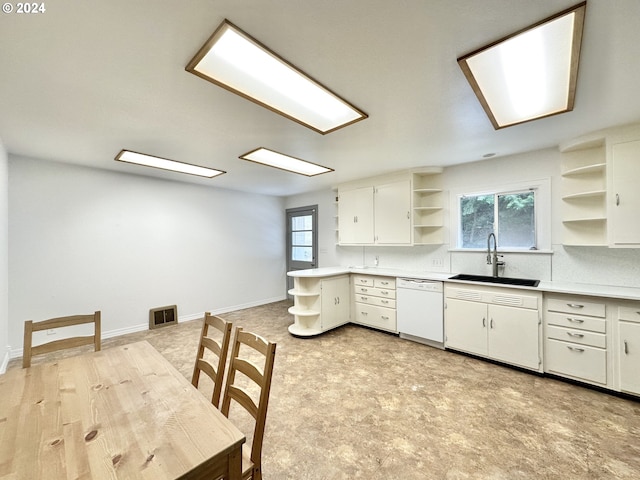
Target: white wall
x,y
4,259
327,223
599,265
84,239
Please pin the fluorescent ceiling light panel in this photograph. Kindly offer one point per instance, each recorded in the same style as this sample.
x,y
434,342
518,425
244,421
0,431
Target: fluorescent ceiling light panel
x,y
237,62
284,162
165,164
530,74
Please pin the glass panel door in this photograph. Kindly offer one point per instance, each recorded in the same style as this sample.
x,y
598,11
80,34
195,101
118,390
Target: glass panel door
x,y
302,239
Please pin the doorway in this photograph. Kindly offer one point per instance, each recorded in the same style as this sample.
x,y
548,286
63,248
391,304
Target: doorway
x,y
302,239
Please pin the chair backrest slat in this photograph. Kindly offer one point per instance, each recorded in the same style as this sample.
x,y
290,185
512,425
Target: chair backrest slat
x,y
261,375
60,322
215,370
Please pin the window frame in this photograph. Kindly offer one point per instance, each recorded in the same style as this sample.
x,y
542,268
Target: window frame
x,y
542,219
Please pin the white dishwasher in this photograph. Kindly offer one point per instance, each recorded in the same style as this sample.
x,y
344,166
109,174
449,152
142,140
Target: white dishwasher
x,y
419,307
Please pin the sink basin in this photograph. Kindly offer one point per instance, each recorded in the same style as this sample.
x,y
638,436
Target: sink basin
x,y
522,282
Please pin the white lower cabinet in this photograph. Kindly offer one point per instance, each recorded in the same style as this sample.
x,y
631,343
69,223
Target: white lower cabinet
x,y
466,326
576,338
628,347
496,323
320,304
514,335
334,294
374,303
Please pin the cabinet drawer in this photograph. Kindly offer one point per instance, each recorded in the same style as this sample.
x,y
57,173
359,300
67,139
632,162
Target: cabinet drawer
x,y
577,321
378,317
576,306
630,314
365,280
579,361
583,337
380,301
376,292
384,282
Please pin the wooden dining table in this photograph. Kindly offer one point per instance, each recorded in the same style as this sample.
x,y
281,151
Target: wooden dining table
x,y
121,413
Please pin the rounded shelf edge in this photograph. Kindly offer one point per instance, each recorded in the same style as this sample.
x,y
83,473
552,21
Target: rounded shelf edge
x,y
298,293
297,331
302,313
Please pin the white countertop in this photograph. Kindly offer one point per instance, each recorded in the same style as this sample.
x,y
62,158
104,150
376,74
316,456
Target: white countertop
x,y
625,293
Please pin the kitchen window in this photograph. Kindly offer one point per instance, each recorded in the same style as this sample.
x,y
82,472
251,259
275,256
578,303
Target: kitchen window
x,y
517,214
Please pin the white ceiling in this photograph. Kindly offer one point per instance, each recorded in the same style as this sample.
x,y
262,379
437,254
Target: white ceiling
x,y
86,79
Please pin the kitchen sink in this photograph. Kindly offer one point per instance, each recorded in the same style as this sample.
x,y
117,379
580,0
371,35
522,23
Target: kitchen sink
x,y
522,282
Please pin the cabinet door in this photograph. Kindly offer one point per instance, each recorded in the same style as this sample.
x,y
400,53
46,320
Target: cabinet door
x,y
335,302
392,207
629,357
466,326
625,228
355,216
514,335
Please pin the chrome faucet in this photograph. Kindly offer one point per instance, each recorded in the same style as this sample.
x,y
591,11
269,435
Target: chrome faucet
x,y
492,258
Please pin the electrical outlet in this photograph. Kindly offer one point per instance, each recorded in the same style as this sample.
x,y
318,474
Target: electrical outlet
x,y
437,262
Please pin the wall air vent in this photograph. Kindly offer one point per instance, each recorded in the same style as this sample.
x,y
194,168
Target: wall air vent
x,y
162,316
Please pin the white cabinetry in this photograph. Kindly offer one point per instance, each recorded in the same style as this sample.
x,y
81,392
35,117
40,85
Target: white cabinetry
x,y
374,302
320,304
427,208
624,198
628,347
501,324
576,338
600,178
378,214
400,209
584,181
392,213
355,216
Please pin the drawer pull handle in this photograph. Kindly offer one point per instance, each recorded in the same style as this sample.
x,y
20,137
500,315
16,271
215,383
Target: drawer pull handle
x,y
484,322
385,301
384,283
385,317
491,323
575,349
364,290
575,305
364,313
575,320
362,280
364,298
385,292
626,348
576,335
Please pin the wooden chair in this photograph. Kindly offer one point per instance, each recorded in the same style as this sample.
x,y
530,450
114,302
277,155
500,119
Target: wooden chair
x,y
218,348
260,374
29,327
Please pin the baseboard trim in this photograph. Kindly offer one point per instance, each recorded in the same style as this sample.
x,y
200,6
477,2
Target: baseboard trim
x,y
17,352
5,361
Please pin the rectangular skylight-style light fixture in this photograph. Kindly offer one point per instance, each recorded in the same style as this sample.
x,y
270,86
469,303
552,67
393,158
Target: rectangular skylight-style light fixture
x,y
156,162
530,74
239,63
284,162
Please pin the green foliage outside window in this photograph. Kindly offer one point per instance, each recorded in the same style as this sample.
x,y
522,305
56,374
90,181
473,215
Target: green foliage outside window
x,y
515,215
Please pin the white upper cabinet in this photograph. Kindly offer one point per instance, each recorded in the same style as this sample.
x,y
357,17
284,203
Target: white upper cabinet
x,y
355,216
624,200
400,209
392,209
600,178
